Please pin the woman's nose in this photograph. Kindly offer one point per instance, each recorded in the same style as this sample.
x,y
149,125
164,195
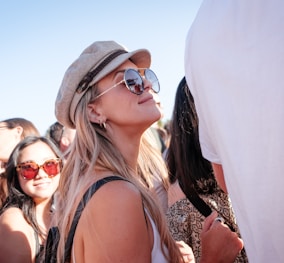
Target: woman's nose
x,y
147,84
41,173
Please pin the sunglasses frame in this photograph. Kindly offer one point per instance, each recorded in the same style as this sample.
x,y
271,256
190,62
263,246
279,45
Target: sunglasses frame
x,y
137,71
58,161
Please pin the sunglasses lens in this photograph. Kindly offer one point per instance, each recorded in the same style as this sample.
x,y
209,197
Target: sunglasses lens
x,y
151,76
52,167
28,170
134,81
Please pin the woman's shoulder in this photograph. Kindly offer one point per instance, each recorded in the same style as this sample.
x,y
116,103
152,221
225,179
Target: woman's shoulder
x,y
13,217
114,213
114,199
15,232
12,214
116,191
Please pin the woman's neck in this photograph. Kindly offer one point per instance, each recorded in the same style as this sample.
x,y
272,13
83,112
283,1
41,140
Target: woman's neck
x,y
43,214
128,144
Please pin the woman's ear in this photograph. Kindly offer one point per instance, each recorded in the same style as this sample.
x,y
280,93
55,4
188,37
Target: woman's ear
x,y
19,132
94,113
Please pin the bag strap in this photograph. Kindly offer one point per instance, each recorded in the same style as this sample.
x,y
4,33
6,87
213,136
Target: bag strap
x,y
200,204
87,196
195,199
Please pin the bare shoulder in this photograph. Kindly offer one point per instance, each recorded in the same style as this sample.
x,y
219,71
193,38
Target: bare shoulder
x,y
114,217
115,197
18,234
121,188
14,218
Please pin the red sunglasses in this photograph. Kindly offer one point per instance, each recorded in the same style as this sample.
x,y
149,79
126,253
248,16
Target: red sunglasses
x,y
29,170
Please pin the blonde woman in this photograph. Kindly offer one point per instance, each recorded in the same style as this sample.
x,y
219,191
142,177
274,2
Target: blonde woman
x,y
107,95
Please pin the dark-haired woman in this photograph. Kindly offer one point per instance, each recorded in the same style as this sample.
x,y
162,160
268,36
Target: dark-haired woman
x,y
33,172
188,169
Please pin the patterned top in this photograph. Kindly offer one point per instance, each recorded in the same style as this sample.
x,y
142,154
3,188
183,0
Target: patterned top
x,y
185,221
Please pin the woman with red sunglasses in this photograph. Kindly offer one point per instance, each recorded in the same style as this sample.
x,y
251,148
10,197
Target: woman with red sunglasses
x,y
33,172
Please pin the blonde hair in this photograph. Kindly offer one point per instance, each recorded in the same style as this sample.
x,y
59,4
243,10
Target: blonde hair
x,y
93,146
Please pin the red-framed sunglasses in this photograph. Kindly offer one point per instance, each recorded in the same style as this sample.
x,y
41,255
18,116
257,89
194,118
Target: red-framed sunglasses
x,y
29,170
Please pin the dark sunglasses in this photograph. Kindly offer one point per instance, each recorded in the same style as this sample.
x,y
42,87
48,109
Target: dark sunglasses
x,y
133,80
29,170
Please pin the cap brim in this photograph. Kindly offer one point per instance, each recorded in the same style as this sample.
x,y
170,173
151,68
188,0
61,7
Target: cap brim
x,y
141,58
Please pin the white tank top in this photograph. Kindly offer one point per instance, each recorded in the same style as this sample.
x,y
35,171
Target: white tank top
x,y
157,254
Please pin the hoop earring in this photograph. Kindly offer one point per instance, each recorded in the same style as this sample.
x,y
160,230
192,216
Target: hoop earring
x,y
103,125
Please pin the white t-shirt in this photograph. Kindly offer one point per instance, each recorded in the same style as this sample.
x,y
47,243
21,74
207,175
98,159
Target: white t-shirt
x,y
234,65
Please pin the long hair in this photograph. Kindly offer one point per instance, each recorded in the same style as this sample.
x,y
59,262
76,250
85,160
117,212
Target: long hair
x,y
93,146
16,196
184,157
151,161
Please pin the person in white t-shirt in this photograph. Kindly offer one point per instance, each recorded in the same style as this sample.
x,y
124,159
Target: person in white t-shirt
x,y
234,60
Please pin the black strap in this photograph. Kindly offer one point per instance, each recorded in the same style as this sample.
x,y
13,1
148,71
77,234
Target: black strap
x,y
194,198
84,83
199,204
87,196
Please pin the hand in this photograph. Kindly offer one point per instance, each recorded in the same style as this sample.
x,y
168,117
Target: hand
x,y
186,252
218,243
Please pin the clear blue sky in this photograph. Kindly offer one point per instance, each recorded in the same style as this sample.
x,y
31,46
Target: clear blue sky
x,y
40,39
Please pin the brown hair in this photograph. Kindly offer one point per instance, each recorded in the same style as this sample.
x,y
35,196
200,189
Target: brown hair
x,y
28,127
